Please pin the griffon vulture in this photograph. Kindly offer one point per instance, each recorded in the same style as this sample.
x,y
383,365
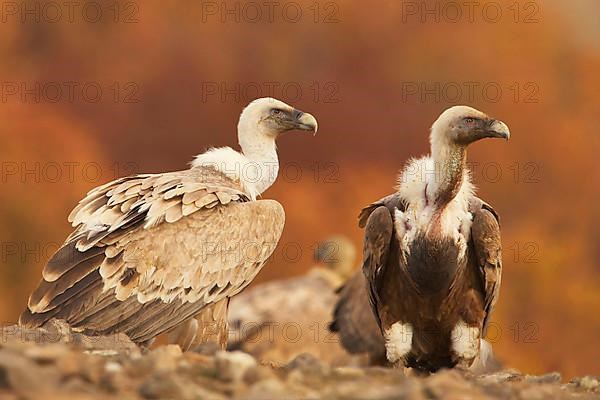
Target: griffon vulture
x,y
431,260
149,252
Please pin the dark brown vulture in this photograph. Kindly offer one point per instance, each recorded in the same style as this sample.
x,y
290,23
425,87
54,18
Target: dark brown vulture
x,y
149,252
431,259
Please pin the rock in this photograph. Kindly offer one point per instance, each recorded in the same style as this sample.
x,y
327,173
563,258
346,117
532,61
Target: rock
x,y
500,377
198,365
114,379
232,366
539,392
553,377
197,358
53,333
255,375
357,390
47,354
113,367
70,363
165,358
65,369
161,359
208,349
376,372
307,364
307,371
276,389
57,329
165,386
349,372
15,371
92,370
107,345
202,393
23,375
171,385
77,384
57,332
451,381
587,383
266,389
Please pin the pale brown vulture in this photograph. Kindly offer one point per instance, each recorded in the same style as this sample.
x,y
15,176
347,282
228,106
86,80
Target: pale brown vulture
x,y
431,260
149,252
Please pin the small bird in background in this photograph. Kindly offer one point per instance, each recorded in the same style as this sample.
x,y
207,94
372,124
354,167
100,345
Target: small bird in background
x,y
278,320
150,252
432,261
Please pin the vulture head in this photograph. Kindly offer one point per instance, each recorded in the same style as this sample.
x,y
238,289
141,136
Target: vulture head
x,y
268,117
462,125
338,254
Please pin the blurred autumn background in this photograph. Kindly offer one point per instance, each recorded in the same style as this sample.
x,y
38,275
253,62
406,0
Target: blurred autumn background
x,y
94,91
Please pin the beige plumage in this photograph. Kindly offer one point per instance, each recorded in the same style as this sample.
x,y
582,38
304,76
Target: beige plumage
x,y
148,252
209,328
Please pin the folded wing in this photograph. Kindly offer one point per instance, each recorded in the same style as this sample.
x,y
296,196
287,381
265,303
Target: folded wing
x,y
150,251
485,235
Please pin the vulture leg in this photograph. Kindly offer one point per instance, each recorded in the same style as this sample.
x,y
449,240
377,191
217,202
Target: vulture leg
x,y
185,334
209,327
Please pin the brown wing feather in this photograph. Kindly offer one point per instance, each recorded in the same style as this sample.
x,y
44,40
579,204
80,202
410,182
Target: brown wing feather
x,y
165,317
50,294
84,250
73,301
153,257
66,259
391,201
354,321
485,235
106,313
378,234
356,317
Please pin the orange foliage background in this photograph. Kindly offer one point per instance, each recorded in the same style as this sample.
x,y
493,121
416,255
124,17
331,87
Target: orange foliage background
x,y
544,182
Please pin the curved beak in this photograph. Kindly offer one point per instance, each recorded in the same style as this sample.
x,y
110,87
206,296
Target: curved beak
x,y
305,121
498,129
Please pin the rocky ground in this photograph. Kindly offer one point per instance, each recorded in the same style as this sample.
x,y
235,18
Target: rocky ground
x,y
55,364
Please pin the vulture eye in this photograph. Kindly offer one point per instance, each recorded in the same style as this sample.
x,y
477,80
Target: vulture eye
x,y
276,112
470,121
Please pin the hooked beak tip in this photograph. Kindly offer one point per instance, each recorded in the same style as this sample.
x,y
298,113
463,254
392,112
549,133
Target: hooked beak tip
x,y
500,130
307,122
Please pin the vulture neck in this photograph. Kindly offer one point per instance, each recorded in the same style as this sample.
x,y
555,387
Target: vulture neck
x,y
260,151
450,165
255,167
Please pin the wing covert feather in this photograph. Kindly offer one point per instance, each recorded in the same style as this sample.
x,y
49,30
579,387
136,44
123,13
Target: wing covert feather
x,y
353,319
485,235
